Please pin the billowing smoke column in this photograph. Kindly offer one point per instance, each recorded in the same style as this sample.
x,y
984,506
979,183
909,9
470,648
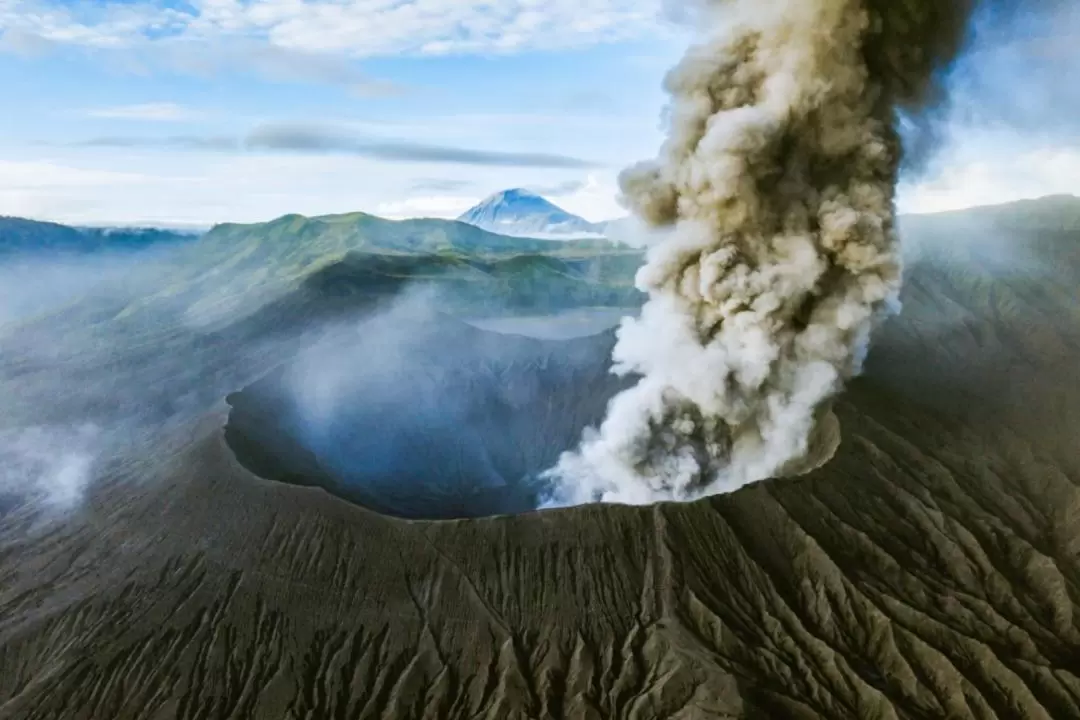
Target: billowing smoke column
x,y
778,255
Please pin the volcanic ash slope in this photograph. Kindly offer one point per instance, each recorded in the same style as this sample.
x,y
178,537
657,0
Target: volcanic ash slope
x,y
930,570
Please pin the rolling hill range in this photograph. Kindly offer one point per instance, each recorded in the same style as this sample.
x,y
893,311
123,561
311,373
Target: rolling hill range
x,y
930,570
237,270
359,231
22,236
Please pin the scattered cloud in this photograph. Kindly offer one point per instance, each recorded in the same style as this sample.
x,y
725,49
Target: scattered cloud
x,y
314,139
174,142
24,44
438,185
568,187
354,28
306,138
270,62
151,112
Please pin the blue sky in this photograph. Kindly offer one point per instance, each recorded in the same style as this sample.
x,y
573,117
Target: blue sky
x,y
200,111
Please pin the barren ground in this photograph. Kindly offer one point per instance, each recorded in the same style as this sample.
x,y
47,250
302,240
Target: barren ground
x,y
931,570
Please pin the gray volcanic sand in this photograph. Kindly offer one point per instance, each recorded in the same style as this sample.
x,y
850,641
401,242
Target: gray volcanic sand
x,y
930,570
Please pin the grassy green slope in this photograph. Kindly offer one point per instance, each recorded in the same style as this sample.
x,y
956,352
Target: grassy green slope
x,y
311,268
237,269
21,236
332,234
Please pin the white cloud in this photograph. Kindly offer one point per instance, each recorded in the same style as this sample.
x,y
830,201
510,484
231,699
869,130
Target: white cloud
x,y
435,206
48,189
41,174
102,25
153,112
980,175
354,28
203,56
596,200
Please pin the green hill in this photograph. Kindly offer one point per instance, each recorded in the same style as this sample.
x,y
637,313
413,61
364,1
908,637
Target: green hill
x,y
236,269
332,234
22,236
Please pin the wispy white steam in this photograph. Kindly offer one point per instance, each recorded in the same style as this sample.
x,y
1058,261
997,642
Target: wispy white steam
x,y
50,465
776,190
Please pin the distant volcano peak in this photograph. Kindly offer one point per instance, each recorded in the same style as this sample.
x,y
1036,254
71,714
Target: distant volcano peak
x,y
523,213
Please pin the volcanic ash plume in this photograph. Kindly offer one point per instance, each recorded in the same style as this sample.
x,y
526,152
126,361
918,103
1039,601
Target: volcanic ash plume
x,y
775,191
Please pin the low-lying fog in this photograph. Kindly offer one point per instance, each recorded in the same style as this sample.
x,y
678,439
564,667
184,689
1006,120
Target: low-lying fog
x,y
35,284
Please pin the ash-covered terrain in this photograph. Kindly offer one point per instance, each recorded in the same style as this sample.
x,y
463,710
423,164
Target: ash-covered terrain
x,y
928,570
277,476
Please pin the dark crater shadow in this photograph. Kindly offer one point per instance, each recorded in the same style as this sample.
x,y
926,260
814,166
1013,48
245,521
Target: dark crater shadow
x,y
424,417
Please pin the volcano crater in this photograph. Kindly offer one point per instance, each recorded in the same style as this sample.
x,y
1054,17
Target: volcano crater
x,y
425,419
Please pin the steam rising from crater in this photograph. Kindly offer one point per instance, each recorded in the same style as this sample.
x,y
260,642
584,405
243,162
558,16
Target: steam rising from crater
x,y
778,256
